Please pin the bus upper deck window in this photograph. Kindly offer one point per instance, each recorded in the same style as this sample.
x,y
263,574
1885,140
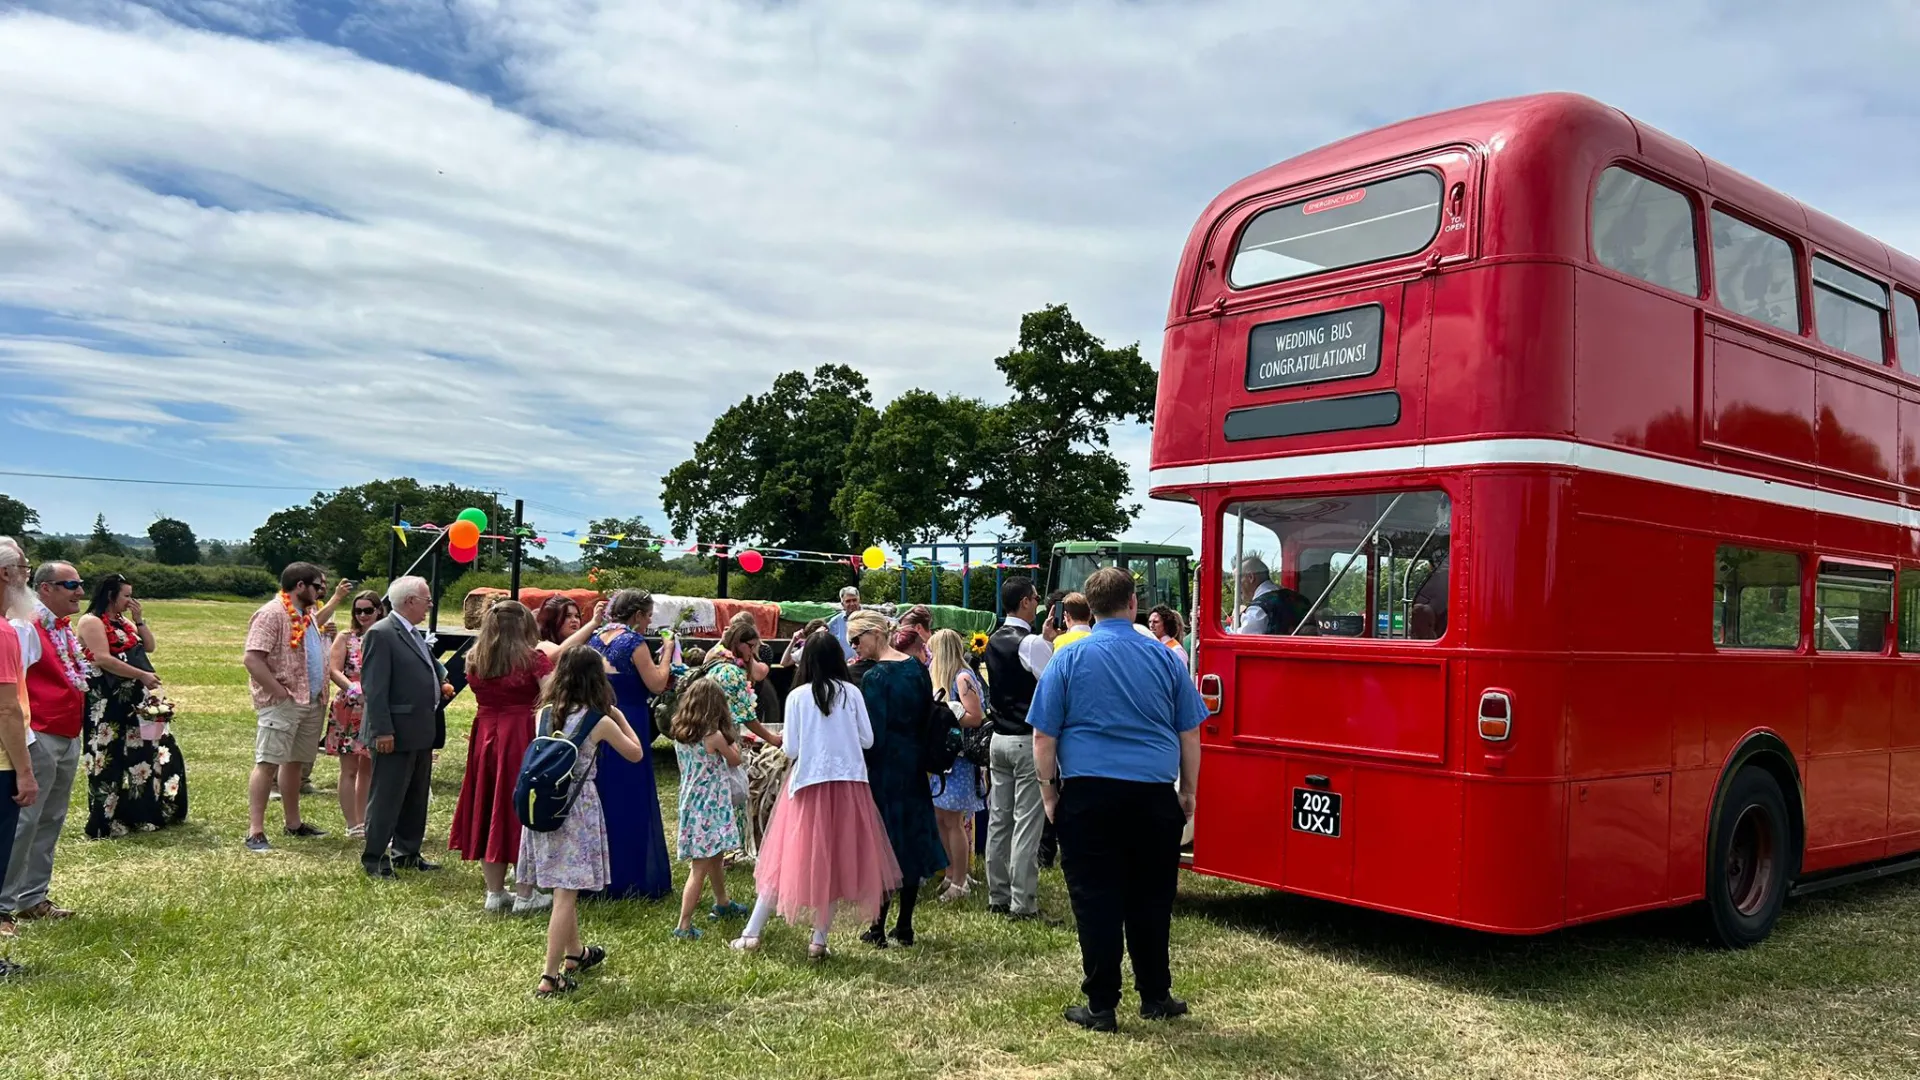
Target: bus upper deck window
x,y
1384,220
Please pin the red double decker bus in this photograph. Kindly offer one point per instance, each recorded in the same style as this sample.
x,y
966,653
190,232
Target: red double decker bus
x,y
1564,486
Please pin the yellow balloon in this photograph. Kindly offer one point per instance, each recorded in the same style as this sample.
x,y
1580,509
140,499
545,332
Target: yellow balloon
x,y
873,558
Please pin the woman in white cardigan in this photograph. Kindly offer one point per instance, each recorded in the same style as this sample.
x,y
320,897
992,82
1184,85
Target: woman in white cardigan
x,y
825,849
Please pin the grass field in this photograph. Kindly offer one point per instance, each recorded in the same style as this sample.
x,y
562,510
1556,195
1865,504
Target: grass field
x,y
193,958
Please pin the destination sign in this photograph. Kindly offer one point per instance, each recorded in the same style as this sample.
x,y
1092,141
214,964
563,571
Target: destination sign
x,y
1341,344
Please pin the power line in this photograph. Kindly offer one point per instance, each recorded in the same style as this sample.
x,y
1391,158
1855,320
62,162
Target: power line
x,y
160,483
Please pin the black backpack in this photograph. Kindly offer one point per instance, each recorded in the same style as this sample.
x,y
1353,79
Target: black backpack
x,y
544,794
939,738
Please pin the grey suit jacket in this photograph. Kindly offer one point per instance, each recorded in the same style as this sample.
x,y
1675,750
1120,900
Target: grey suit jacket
x,y
401,688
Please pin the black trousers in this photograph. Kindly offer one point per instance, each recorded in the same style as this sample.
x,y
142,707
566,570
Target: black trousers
x,y
397,806
1120,850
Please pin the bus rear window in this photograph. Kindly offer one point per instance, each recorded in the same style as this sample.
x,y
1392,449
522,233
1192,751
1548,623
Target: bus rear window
x,y
1366,224
1352,565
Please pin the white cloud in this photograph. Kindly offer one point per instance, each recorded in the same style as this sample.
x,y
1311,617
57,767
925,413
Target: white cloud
x,y
661,206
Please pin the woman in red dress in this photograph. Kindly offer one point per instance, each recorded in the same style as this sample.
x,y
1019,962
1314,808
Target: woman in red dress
x,y
505,669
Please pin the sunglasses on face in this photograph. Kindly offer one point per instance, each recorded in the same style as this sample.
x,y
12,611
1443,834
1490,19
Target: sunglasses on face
x,y
366,611
70,586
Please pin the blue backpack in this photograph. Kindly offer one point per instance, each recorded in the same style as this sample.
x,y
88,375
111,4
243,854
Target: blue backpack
x,y
543,795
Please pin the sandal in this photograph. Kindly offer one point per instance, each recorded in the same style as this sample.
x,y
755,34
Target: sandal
x,y
733,910
745,944
817,953
555,985
690,934
590,956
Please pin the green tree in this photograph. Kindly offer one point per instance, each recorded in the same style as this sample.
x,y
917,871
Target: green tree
x,y
55,549
768,470
1048,469
16,518
913,471
102,541
173,542
347,530
635,552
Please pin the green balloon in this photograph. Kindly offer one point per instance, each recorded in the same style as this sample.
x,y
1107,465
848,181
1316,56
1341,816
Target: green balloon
x,y
475,515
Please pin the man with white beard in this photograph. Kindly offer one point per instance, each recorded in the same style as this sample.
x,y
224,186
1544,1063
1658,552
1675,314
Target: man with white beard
x,y
18,787
53,755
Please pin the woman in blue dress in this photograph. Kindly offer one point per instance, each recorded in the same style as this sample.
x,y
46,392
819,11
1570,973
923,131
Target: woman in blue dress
x,y
956,793
899,697
636,844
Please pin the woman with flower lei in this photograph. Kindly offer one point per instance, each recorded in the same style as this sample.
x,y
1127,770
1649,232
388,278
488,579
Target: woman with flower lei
x,y
136,777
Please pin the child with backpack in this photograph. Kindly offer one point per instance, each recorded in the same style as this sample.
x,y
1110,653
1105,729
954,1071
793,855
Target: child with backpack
x,y
569,855
705,746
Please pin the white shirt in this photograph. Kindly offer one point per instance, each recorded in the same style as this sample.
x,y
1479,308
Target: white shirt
x,y
1035,650
826,747
1253,620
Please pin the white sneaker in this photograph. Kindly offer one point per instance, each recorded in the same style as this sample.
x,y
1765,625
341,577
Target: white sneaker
x,y
499,901
539,901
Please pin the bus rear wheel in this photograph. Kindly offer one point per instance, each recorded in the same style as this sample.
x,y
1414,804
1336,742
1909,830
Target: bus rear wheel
x,y
1748,860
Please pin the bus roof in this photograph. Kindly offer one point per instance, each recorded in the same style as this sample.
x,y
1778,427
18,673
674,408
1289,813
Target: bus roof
x,y
1091,547
1558,129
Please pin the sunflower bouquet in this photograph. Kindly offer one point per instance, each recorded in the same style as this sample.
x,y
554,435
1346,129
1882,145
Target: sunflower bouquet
x,y
977,645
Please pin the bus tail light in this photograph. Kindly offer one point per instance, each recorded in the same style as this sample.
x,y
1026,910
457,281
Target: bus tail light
x,y
1211,694
1496,715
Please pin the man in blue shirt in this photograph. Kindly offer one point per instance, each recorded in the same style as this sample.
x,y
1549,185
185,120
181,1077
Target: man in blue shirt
x,y
1116,722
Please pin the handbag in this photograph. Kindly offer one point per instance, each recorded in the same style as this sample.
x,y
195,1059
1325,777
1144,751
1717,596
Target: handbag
x,y
976,743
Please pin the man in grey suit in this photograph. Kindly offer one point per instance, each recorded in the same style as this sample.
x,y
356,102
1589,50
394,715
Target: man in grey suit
x,y
404,726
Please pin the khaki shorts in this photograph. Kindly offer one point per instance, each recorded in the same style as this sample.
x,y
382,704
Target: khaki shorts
x,y
288,732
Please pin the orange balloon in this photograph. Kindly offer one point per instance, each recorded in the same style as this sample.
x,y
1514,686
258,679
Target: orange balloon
x,y
463,534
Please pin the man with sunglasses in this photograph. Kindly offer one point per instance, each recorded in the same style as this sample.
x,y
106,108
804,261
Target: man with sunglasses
x,y
56,698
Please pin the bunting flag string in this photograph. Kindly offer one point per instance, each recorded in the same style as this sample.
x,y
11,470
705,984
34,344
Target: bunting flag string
x,y
750,559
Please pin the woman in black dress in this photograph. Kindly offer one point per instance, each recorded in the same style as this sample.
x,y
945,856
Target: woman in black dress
x,y
133,783
899,696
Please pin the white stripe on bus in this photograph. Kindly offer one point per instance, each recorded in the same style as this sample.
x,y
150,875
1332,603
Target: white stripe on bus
x,y
1559,452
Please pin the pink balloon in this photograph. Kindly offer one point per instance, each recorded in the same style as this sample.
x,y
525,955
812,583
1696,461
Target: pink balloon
x,y
752,561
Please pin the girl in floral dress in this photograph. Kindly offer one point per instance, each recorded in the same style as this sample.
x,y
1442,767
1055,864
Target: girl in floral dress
x,y
573,858
343,721
704,745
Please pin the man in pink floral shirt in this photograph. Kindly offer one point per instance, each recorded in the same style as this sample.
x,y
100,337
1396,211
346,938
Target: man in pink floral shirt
x,y
286,662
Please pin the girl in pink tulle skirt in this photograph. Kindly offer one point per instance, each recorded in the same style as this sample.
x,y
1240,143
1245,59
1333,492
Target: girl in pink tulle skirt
x,y
825,850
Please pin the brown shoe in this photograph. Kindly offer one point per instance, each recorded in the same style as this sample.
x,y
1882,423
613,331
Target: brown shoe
x,y
44,910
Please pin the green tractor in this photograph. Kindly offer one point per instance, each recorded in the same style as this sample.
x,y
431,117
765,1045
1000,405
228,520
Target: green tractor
x,y
1160,571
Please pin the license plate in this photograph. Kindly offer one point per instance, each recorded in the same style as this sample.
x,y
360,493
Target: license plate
x,y
1316,812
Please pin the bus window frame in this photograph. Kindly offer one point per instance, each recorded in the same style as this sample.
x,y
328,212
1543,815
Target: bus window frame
x,y
1901,360
1211,293
1797,250
1805,563
1888,647
1697,209
1208,615
1888,334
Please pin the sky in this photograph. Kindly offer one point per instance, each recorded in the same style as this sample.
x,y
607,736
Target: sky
x,y
538,245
